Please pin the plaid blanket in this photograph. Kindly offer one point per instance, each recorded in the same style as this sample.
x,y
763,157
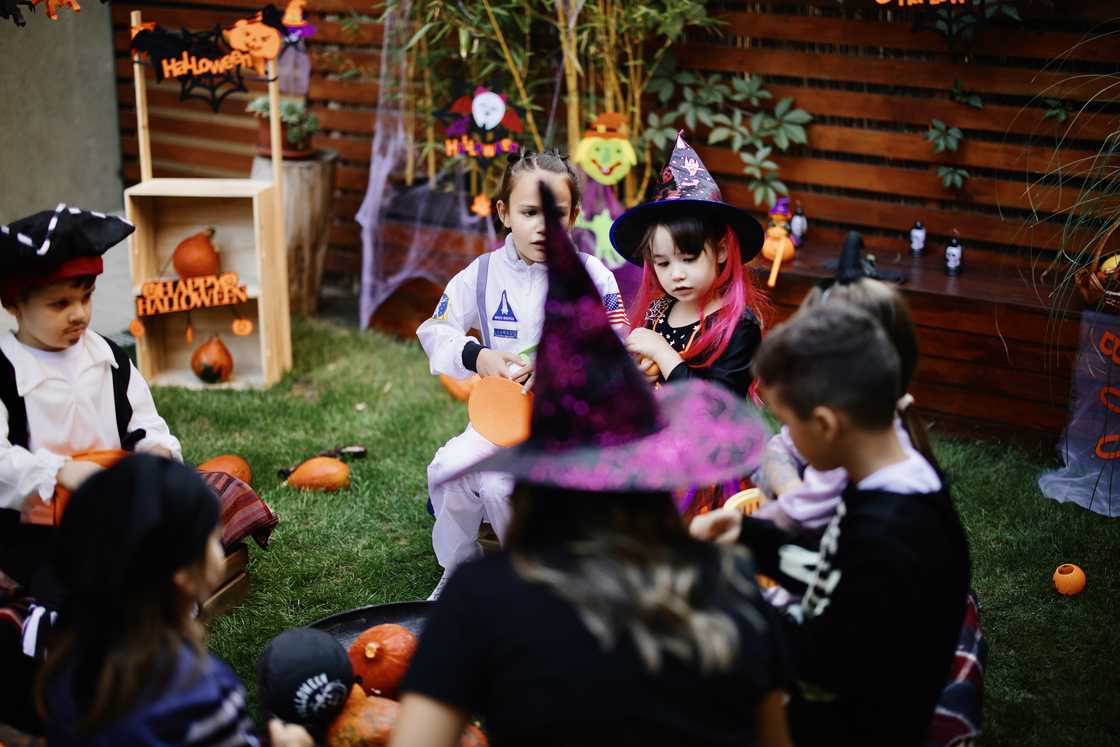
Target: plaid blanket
x,y
957,718
244,513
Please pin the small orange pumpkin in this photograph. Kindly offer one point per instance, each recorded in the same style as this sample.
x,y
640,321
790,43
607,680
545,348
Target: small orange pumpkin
x,y
196,256
320,473
136,328
242,327
212,361
364,721
380,657
231,464
460,389
1069,579
49,514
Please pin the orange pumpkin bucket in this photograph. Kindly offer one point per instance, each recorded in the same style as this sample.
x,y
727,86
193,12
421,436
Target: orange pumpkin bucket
x,y
500,411
460,389
35,511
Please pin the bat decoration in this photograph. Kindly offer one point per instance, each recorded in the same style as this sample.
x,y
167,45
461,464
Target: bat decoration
x,y
200,61
209,65
10,9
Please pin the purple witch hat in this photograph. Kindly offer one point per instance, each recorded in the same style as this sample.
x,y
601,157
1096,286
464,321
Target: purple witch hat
x,y
685,187
596,424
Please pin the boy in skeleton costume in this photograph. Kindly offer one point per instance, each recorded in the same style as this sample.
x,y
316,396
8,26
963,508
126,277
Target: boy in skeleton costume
x,y
502,295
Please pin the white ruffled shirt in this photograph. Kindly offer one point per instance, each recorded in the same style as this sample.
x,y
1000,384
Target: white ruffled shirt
x,y
70,408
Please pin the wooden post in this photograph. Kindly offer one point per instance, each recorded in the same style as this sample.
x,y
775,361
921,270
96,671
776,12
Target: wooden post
x,y
280,257
143,136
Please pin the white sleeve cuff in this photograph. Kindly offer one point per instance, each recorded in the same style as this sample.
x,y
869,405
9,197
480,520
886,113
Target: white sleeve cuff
x,y
44,475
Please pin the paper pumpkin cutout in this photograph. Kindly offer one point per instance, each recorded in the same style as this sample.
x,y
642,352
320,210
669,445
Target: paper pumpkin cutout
x,y
605,152
500,411
480,206
255,38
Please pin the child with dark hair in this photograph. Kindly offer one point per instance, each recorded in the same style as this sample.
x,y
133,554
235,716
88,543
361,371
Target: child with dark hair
x,y
604,623
697,314
501,294
806,498
138,550
875,630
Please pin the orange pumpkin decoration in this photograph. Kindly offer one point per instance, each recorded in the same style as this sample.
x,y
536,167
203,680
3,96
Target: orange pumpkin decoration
x,y
242,327
136,328
380,657
320,473
460,389
1069,579
37,512
231,464
196,256
212,361
364,721
368,721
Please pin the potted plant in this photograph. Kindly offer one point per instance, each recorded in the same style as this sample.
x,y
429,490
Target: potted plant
x,y
297,125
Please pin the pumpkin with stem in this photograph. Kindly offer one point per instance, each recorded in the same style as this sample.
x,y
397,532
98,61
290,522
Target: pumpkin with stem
x,y
320,473
380,657
195,256
368,721
212,361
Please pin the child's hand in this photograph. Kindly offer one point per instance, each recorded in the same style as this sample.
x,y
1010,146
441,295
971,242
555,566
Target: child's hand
x,y
647,343
526,376
492,363
74,473
721,526
288,735
650,370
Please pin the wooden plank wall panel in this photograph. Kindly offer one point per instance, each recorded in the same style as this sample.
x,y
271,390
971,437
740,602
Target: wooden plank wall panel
x,y
188,139
874,85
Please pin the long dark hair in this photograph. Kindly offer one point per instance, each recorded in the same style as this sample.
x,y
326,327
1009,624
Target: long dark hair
x,y
629,568
124,620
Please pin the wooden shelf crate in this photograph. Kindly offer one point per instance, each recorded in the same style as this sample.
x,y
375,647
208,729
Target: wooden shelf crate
x,y
241,211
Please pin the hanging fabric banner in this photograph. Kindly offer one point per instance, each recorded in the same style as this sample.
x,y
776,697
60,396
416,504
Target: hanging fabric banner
x,y
1090,443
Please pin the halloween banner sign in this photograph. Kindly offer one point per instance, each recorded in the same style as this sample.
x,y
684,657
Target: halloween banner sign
x,y
209,64
168,296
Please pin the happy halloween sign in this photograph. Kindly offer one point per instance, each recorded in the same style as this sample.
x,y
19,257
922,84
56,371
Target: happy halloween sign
x,y
168,296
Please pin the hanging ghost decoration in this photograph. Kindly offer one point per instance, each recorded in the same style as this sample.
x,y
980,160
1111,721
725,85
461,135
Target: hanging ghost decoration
x,y
483,125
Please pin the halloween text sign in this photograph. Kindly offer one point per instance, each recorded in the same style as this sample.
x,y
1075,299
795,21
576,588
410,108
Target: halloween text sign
x,y
209,64
168,296
477,124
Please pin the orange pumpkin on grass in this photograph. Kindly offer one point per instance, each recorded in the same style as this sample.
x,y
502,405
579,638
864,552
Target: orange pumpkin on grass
x,y
320,473
231,464
380,657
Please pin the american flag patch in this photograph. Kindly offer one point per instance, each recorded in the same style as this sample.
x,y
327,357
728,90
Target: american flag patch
x,y
616,312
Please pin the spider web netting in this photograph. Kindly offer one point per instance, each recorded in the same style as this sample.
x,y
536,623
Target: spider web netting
x,y
409,232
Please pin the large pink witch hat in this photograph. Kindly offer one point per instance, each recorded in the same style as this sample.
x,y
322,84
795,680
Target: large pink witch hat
x,y
596,423
685,187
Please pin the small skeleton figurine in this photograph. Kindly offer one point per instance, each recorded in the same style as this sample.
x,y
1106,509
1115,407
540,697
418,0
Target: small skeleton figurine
x,y
798,225
917,239
954,256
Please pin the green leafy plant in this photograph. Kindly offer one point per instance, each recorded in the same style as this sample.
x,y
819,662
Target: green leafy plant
x,y
944,137
1056,109
733,110
300,124
968,98
952,177
958,22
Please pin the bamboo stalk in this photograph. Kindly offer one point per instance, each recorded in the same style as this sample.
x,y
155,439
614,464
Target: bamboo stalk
x,y
516,77
280,249
571,73
409,123
143,134
430,127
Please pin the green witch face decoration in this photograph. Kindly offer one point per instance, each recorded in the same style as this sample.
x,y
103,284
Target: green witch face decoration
x,y
604,152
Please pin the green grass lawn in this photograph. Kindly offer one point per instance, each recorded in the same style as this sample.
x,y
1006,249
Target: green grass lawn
x,y
1053,676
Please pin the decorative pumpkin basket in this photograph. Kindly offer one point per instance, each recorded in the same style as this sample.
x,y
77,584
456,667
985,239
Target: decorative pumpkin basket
x,y
1099,282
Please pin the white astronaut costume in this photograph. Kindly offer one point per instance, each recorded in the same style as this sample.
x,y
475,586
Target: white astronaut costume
x,y
503,297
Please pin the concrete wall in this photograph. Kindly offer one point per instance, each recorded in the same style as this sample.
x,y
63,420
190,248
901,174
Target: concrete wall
x,y
59,140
